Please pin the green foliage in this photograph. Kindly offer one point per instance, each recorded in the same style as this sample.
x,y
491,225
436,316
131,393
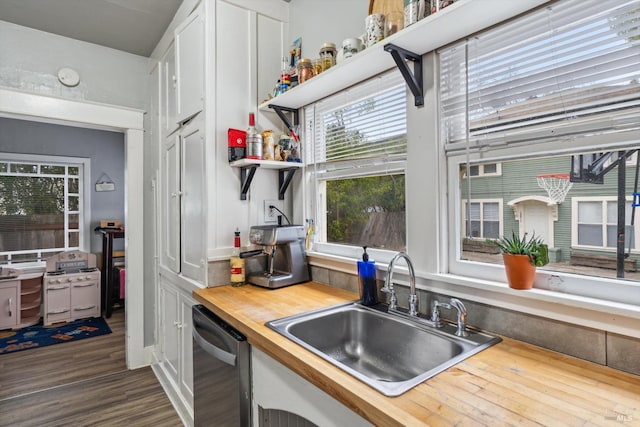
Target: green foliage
x,y
533,247
350,202
20,195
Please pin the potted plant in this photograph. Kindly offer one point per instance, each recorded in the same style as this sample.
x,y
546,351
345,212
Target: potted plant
x,y
521,256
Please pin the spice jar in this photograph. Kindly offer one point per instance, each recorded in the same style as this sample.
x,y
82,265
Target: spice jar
x,y
305,70
328,55
317,66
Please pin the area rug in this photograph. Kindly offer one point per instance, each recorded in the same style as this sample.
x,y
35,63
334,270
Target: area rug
x,y
40,336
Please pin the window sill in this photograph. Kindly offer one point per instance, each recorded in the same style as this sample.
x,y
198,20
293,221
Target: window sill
x,y
584,311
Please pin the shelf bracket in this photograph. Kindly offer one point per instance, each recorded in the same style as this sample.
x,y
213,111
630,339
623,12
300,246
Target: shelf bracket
x,y
246,176
414,81
279,111
284,179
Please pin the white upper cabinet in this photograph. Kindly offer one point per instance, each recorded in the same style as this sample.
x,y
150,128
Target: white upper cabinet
x,y
168,88
189,45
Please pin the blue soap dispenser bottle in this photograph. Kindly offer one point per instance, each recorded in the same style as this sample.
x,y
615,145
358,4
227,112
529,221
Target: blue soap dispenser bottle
x,y
367,280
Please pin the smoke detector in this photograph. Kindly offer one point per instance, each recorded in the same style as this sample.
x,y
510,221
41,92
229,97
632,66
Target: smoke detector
x,y
68,77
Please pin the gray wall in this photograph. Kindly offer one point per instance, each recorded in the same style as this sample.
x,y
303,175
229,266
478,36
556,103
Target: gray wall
x,y
105,149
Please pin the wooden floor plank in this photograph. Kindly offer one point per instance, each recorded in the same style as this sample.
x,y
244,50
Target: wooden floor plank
x,y
120,399
83,383
59,364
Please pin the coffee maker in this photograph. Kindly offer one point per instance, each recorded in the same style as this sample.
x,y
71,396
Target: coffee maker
x,y
283,246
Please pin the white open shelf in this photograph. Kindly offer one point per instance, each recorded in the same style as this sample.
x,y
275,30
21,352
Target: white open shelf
x,y
266,164
452,23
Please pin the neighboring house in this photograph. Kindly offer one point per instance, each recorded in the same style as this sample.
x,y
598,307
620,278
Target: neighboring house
x,y
506,197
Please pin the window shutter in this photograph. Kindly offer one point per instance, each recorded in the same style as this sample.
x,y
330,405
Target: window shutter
x,y
572,67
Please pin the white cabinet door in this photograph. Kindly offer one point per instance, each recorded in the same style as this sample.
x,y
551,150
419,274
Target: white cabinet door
x,y
9,305
171,197
186,349
168,107
189,39
276,387
193,233
175,348
170,330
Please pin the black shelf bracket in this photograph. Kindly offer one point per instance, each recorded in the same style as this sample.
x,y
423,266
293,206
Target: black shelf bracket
x,y
414,81
279,111
284,179
246,176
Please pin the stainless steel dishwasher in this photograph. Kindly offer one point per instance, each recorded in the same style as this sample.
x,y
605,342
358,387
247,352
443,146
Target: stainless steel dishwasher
x,y
221,372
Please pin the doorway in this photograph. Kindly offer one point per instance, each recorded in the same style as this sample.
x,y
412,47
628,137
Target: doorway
x,y
536,214
27,106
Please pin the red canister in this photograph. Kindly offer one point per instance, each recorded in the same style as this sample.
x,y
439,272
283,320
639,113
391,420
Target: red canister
x,y
237,141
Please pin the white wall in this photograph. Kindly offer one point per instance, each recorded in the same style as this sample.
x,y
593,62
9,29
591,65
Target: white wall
x,y
30,60
323,21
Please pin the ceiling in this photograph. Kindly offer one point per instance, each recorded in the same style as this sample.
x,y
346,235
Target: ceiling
x,y
133,26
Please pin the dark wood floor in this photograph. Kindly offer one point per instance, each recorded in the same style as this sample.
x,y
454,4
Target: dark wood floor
x,y
84,383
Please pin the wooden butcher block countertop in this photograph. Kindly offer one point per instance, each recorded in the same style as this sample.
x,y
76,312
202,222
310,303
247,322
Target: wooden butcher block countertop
x,y
511,383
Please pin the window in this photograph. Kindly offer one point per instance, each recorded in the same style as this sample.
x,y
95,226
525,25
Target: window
x,y
555,91
486,169
484,219
596,226
41,207
356,155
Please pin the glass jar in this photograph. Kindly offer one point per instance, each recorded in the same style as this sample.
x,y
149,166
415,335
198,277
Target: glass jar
x,y
317,66
305,70
328,55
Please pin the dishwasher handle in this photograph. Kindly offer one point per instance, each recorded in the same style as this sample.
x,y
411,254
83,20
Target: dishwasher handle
x,y
212,350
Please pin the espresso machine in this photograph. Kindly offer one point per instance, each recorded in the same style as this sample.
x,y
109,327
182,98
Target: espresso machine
x,y
283,246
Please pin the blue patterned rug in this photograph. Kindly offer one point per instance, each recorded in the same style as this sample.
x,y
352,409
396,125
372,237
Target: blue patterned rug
x,y
40,336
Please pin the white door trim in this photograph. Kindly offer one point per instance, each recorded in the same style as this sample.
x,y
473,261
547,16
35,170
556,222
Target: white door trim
x,y
111,117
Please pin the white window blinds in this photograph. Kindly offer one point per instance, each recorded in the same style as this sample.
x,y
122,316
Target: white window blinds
x,y
363,125
572,67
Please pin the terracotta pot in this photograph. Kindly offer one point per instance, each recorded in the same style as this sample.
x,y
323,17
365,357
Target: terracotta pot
x,y
520,271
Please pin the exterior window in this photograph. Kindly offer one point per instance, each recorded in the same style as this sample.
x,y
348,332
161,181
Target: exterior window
x,y
484,169
597,226
484,219
356,155
552,100
40,209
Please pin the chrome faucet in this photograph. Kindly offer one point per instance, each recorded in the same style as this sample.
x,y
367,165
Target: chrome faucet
x,y
388,285
461,331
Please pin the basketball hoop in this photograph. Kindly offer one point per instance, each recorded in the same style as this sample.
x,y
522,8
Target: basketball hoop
x,y
556,184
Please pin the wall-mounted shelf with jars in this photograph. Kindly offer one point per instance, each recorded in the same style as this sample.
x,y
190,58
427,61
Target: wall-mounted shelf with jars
x,y
462,18
248,168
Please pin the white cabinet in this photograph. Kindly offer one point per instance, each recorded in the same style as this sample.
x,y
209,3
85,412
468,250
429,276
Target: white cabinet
x,y
183,220
192,215
276,387
9,307
189,45
182,67
175,342
168,89
170,170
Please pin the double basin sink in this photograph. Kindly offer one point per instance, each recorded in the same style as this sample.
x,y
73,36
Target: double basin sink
x,y
388,352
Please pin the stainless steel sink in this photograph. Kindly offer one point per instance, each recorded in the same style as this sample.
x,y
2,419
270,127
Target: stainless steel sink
x,y
389,353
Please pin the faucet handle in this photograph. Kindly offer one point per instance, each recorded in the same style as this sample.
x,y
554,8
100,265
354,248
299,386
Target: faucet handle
x,y
462,317
435,313
393,300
